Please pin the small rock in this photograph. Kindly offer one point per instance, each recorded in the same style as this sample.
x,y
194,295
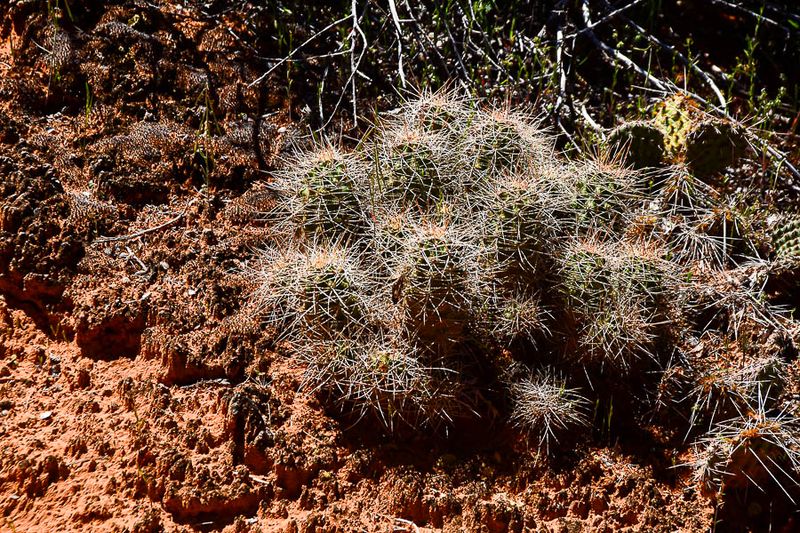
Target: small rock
x,y
44,415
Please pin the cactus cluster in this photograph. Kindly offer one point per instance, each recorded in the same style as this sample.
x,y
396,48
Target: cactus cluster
x,y
705,143
454,243
680,132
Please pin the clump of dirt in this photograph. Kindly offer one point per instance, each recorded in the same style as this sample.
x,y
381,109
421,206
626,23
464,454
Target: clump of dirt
x,y
137,393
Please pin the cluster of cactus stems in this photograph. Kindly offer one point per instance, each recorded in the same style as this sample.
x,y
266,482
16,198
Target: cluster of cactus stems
x,y
680,132
455,241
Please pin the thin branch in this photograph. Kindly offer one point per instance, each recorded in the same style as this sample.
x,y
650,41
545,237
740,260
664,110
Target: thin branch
x,y
671,49
355,64
147,230
607,17
300,47
396,18
617,56
758,16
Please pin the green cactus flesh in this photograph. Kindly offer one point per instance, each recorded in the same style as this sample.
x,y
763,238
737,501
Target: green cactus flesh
x,y
713,145
786,237
641,143
329,204
675,122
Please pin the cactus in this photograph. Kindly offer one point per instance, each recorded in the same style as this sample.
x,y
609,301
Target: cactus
x,y
603,195
724,388
520,222
505,141
511,315
712,145
674,117
440,112
454,244
640,144
320,196
544,407
786,237
415,169
614,291
430,282
316,293
755,448
379,374
707,145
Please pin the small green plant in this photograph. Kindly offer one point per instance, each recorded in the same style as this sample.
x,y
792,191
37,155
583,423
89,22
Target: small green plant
x,y
203,149
88,104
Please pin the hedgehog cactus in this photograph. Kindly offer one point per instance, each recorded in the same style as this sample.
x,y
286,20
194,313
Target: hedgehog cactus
x,y
603,194
519,223
512,315
376,373
320,197
544,407
640,143
712,145
316,293
505,141
415,169
757,449
430,282
614,292
441,113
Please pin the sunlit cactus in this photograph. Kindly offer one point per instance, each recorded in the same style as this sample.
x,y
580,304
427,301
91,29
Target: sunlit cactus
x,y
321,196
614,292
318,292
545,408
430,280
